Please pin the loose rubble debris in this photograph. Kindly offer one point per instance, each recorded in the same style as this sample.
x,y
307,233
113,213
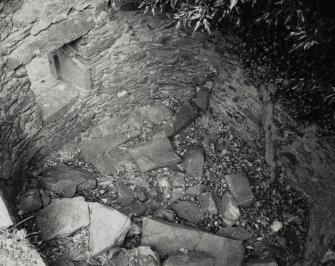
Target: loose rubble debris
x,y
208,208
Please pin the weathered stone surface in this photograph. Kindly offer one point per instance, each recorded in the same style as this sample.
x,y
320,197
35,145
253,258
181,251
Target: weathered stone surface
x,y
178,180
125,196
168,237
30,202
96,146
265,262
137,257
153,154
177,193
240,188
63,217
138,208
185,116
56,36
66,180
158,114
230,208
164,214
202,99
139,182
135,229
6,220
107,229
207,203
191,258
196,189
193,162
109,162
56,102
188,211
6,169
238,233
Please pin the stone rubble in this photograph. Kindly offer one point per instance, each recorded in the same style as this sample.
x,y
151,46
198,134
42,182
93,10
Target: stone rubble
x,y
66,180
153,154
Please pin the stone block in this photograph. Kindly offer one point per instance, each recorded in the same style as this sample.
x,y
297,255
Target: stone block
x,y
240,188
168,237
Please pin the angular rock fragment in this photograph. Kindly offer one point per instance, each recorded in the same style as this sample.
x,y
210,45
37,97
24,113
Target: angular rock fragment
x,y
63,217
107,229
202,99
177,193
191,258
207,203
6,219
30,202
230,208
178,180
188,211
168,237
240,188
157,114
109,162
196,189
193,162
186,115
261,262
125,196
66,180
96,146
140,256
153,154
139,182
138,208
238,233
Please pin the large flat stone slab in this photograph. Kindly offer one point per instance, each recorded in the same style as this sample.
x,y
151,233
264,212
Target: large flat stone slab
x,y
109,162
240,188
66,180
63,217
167,237
108,228
154,154
92,148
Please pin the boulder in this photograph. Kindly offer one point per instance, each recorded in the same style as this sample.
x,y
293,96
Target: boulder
x,y
240,188
63,217
168,237
192,258
66,180
193,162
108,228
154,154
188,211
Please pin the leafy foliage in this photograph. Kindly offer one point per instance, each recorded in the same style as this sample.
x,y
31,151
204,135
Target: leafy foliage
x,y
287,42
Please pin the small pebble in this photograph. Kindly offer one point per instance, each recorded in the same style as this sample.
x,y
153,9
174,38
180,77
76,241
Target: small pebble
x,y
276,226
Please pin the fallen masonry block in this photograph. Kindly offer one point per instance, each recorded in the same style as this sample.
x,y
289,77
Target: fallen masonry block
x,y
165,238
154,154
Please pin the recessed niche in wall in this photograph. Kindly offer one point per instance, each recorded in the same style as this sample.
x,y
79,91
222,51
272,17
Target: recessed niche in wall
x,y
64,64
